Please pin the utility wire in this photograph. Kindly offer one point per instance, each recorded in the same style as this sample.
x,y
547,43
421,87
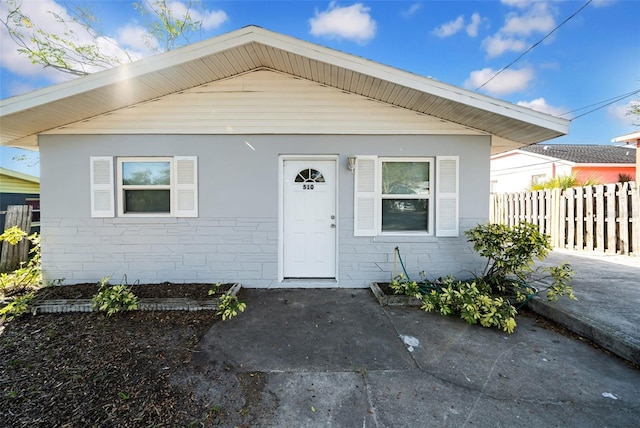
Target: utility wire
x,y
535,44
607,104
616,98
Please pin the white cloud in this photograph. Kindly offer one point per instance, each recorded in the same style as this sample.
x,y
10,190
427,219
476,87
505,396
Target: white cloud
x,y
517,3
209,19
449,28
507,82
129,42
537,19
41,15
498,44
472,28
620,113
137,38
602,3
214,19
411,10
350,22
532,18
452,27
540,104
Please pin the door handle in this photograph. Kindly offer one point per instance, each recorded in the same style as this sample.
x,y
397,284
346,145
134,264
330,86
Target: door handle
x,y
333,217
333,226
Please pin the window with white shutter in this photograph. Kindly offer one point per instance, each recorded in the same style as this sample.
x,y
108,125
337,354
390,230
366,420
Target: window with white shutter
x,y
447,190
364,210
102,191
144,186
186,186
402,196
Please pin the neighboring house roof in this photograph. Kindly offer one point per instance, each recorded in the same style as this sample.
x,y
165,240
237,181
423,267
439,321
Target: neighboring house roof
x,y
251,48
17,182
585,154
634,137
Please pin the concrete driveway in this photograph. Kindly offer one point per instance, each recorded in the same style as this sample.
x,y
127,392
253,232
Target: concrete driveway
x,y
337,358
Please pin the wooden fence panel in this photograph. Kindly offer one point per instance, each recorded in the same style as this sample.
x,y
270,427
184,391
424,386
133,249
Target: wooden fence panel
x,y
612,221
12,255
599,218
623,220
603,218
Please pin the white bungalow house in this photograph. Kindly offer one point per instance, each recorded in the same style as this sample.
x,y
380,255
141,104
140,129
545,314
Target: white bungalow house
x,y
258,158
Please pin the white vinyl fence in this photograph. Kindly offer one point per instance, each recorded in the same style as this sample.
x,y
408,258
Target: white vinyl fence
x,y
603,218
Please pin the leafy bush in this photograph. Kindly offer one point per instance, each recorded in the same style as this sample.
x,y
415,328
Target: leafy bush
x,y
114,298
28,276
16,307
229,306
473,301
563,182
489,298
510,253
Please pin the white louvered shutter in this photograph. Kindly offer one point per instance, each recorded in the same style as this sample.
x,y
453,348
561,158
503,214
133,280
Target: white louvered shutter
x,y
364,210
102,190
447,194
185,173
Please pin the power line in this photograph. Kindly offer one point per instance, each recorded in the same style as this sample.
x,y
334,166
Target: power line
x,y
536,44
607,104
615,99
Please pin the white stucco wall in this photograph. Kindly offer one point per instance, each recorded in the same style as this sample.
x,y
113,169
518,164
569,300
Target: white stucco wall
x,y
235,236
514,172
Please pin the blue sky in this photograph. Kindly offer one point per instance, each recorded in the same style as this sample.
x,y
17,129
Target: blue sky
x,y
592,58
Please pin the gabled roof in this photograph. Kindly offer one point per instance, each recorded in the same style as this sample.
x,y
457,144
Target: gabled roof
x,y
19,175
582,153
23,117
634,137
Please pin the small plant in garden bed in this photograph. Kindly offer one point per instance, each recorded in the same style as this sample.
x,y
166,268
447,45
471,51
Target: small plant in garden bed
x,y
114,298
228,304
489,298
17,287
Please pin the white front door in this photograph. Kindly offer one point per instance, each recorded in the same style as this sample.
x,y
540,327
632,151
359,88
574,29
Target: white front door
x,y
309,221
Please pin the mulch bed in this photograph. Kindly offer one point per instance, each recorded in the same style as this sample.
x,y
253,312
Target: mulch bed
x,y
164,290
134,369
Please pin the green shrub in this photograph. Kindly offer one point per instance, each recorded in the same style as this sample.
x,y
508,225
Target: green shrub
x,y
114,298
229,306
488,299
510,253
474,302
28,276
17,307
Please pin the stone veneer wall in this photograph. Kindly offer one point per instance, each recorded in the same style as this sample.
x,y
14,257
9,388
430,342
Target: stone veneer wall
x,y
243,250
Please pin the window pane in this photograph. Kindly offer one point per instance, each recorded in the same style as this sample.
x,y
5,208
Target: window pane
x,y
147,201
405,178
409,215
146,173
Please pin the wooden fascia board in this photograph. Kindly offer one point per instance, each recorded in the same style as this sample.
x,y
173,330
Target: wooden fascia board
x,y
604,165
19,175
634,137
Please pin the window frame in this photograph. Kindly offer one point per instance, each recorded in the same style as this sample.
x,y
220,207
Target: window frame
x,y
380,196
121,188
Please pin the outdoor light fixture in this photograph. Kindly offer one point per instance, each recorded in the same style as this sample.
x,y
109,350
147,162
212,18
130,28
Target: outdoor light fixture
x,y
352,163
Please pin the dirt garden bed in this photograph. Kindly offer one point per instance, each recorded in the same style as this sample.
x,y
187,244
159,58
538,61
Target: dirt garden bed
x,y
129,370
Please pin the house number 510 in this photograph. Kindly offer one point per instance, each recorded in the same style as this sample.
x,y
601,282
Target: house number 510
x,y
307,187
